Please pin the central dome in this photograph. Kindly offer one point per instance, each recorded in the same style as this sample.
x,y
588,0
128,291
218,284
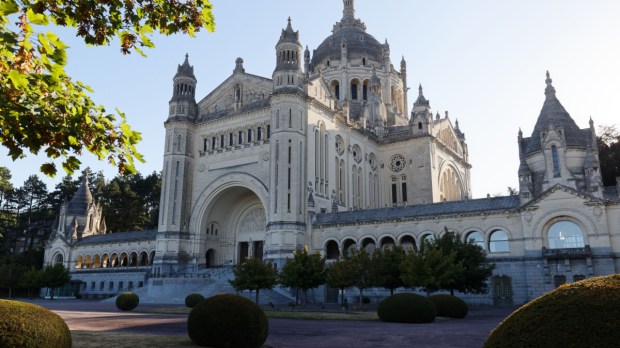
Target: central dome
x,y
351,32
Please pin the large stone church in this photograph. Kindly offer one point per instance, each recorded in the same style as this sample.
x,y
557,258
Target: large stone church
x,y
328,154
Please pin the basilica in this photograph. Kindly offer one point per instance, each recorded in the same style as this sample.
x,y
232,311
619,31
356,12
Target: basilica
x,y
328,153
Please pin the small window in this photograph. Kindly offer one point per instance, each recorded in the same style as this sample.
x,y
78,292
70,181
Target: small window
x,y
578,277
499,242
476,238
101,285
259,133
240,138
111,286
556,161
427,238
419,125
120,285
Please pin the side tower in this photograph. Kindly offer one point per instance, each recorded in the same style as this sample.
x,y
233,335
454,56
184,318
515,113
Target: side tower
x,y
558,152
175,205
287,211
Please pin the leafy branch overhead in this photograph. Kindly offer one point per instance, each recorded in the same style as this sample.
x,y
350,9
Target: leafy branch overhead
x,y
42,109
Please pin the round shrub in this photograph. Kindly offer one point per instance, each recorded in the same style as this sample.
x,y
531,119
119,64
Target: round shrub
x,y
127,301
28,325
192,300
581,314
227,320
449,306
406,308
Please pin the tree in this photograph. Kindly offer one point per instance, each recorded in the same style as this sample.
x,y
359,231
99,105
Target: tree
x,y
386,265
476,269
254,274
54,276
341,275
42,108
5,190
363,270
10,275
430,269
608,142
31,280
304,271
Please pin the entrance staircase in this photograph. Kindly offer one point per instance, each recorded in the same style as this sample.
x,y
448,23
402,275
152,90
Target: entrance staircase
x,y
209,282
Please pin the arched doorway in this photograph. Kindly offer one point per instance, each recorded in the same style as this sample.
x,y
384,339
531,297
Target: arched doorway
x,y
233,227
210,258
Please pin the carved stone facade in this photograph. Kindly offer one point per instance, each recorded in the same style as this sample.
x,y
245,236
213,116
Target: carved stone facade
x,y
326,154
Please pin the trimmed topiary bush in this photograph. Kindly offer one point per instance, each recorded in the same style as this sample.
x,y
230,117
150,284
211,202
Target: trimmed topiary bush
x,y
28,325
192,300
581,314
127,301
227,321
406,308
449,306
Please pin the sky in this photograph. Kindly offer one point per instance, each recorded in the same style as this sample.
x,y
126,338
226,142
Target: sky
x,y
484,61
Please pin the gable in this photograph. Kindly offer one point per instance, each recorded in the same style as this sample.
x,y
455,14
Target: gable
x,y
447,136
239,91
560,196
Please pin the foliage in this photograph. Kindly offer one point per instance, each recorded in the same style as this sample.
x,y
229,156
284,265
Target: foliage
x,y
304,271
476,270
449,306
340,275
448,263
254,274
363,271
431,268
580,314
42,108
406,308
127,301
28,325
192,300
386,265
31,280
10,276
608,142
54,276
227,321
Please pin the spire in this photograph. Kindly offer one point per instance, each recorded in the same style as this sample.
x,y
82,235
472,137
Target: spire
x,y
185,70
421,101
549,91
288,34
239,65
349,10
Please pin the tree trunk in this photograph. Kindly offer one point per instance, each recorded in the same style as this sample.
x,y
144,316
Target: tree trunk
x,y
361,297
257,290
52,293
452,292
305,298
391,292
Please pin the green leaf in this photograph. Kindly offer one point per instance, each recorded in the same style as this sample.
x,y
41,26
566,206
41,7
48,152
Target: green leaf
x,y
37,18
8,7
18,80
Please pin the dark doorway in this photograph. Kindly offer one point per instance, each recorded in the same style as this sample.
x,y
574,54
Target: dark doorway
x,y
258,250
210,258
502,290
243,251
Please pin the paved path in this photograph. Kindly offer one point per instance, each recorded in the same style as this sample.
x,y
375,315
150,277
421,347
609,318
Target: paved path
x,y
466,333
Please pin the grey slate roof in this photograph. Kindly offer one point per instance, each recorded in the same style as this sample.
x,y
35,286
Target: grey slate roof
x,y
185,70
420,211
553,115
359,44
121,237
81,200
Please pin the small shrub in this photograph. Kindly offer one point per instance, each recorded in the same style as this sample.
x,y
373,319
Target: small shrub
x,y
192,300
127,301
449,306
406,308
227,321
581,314
28,325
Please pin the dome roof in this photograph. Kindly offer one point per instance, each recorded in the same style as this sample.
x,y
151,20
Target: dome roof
x,y
359,44
353,32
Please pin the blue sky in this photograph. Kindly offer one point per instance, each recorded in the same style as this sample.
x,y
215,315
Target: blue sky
x,y
482,60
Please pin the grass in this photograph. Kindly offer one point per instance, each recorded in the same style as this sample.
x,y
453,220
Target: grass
x,y
106,339
308,315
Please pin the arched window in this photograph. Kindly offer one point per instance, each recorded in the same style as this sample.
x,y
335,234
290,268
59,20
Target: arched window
x,y
498,242
427,238
556,161
408,244
58,258
565,234
331,250
354,85
79,262
348,246
475,238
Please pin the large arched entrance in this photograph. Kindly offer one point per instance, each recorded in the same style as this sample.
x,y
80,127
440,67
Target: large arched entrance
x,y
233,227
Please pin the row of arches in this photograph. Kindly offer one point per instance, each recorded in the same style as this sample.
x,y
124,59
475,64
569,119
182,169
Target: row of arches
x,y
107,260
563,233
359,89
